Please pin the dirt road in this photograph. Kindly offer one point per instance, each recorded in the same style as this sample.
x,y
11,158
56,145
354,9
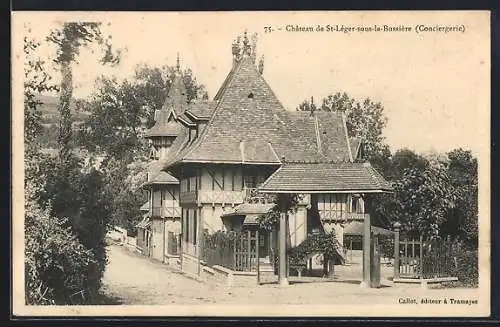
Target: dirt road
x,y
132,279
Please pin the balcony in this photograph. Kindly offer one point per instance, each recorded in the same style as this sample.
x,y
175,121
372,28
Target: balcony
x,y
171,212
190,197
341,216
221,197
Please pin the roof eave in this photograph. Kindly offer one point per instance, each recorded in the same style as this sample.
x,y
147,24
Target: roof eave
x,y
237,162
324,191
194,117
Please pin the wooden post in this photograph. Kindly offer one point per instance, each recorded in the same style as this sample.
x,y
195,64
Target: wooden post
x,y
421,257
249,250
164,240
181,235
282,256
396,250
367,249
257,255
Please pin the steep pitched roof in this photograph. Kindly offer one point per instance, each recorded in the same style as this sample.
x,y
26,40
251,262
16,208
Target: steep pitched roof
x,y
170,128
175,104
201,110
325,177
249,125
159,176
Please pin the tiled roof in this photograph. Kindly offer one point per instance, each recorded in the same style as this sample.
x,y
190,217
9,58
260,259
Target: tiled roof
x,y
325,177
201,110
355,145
251,212
177,95
163,178
249,125
170,128
158,176
176,103
356,228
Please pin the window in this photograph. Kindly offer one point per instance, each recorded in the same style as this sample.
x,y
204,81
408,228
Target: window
x,y
192,183
233,173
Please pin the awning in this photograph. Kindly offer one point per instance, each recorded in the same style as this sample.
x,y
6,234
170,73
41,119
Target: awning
x,y
345,177
145,207
249,209
356,228
250,212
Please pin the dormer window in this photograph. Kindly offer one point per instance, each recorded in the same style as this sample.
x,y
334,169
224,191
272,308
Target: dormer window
x,y
250,95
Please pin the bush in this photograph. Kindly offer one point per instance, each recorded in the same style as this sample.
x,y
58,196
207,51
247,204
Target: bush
x,y
323,243
55,262
467,266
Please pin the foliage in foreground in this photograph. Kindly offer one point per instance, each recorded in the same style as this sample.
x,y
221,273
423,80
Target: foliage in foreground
x,y
55,261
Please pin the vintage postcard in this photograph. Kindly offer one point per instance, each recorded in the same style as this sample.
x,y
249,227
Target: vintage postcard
x,y
315,164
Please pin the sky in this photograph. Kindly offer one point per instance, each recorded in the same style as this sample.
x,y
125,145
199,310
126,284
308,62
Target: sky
x,y
434,86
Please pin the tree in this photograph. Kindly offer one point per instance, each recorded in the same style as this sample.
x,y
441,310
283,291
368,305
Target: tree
x,y
69,39
54,258
463,218
423,200
71,195
36,81
121,111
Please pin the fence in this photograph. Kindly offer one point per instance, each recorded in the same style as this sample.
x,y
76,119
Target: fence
x,y
233,250
423,258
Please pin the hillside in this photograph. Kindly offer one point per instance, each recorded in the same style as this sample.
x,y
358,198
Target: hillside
x,y
50,114
50,119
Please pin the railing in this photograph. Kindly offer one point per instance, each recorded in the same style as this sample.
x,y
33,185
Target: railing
x,y
189,197
236,251
166,211
252,195
424,258
341,215
222,197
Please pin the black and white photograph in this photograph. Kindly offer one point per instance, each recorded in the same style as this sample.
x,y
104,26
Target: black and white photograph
x,y
332,164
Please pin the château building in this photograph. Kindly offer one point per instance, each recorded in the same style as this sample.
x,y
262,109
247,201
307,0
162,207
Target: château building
x,y
215,159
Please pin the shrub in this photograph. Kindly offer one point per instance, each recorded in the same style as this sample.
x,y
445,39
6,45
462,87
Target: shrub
x,y
466,265
55,262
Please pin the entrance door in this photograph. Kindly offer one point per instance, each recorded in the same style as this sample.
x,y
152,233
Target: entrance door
x,y
157,244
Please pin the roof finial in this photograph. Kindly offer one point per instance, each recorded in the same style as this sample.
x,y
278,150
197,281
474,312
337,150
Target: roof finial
x,y
178,66
312,107
236,50
254,47
247,49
